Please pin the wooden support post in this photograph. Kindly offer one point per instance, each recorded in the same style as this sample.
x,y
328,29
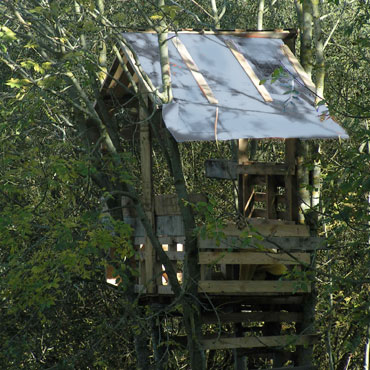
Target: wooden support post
x,y
147,198
291,181
172,247
271,197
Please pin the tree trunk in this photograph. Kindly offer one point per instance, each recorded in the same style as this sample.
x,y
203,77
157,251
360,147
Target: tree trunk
x,y
306,37
159,348
142,351
216,18
191,273
261,8
319,48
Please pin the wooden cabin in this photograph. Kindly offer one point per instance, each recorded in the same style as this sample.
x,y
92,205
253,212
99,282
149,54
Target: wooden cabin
x,y
253,279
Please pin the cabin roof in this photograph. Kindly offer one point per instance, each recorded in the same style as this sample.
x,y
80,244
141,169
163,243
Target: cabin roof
x,y
232,85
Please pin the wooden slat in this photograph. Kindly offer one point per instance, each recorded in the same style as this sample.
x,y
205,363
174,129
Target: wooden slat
x,y
264,169
200,80
228,170
281,243
270,229
252,286
258,342
248,70
253,258
252,317
144,85
305,367
298,68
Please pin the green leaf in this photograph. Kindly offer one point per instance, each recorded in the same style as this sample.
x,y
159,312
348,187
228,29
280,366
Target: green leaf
x,y
17,83
7,34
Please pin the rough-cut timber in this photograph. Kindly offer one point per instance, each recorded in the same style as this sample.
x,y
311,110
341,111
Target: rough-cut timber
x,y
275,242
228,170
253,258
258,342
253,286
270,316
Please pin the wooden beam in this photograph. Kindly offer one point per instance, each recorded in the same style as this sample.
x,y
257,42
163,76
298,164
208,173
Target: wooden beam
x,y
269,229
262,168
305,367
235,317
253,258
145,88
276,243
253,286
248,70
199,78
258,342
298,68
229,170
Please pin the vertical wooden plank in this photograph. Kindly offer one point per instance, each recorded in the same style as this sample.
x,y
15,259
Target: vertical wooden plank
x,y
291,181
172,247
246,206
242,158
271,203
147,196
290,151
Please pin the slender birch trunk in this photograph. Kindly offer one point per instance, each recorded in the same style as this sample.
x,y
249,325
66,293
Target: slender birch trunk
x,y
216,18
162,31
191,309
306,40
319,51
261,8
102,58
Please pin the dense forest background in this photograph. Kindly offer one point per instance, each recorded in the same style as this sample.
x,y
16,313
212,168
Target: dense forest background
x,y
57,312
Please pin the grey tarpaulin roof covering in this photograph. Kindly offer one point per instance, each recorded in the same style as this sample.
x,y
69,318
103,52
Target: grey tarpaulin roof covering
x,y
237,109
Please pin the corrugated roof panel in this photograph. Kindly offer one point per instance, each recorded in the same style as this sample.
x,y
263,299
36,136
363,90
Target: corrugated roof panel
x,y
242,111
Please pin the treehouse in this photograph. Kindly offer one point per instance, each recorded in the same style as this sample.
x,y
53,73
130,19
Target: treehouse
x,y
240,86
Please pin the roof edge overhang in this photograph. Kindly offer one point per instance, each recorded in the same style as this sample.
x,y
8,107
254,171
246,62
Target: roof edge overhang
x,y
276,33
